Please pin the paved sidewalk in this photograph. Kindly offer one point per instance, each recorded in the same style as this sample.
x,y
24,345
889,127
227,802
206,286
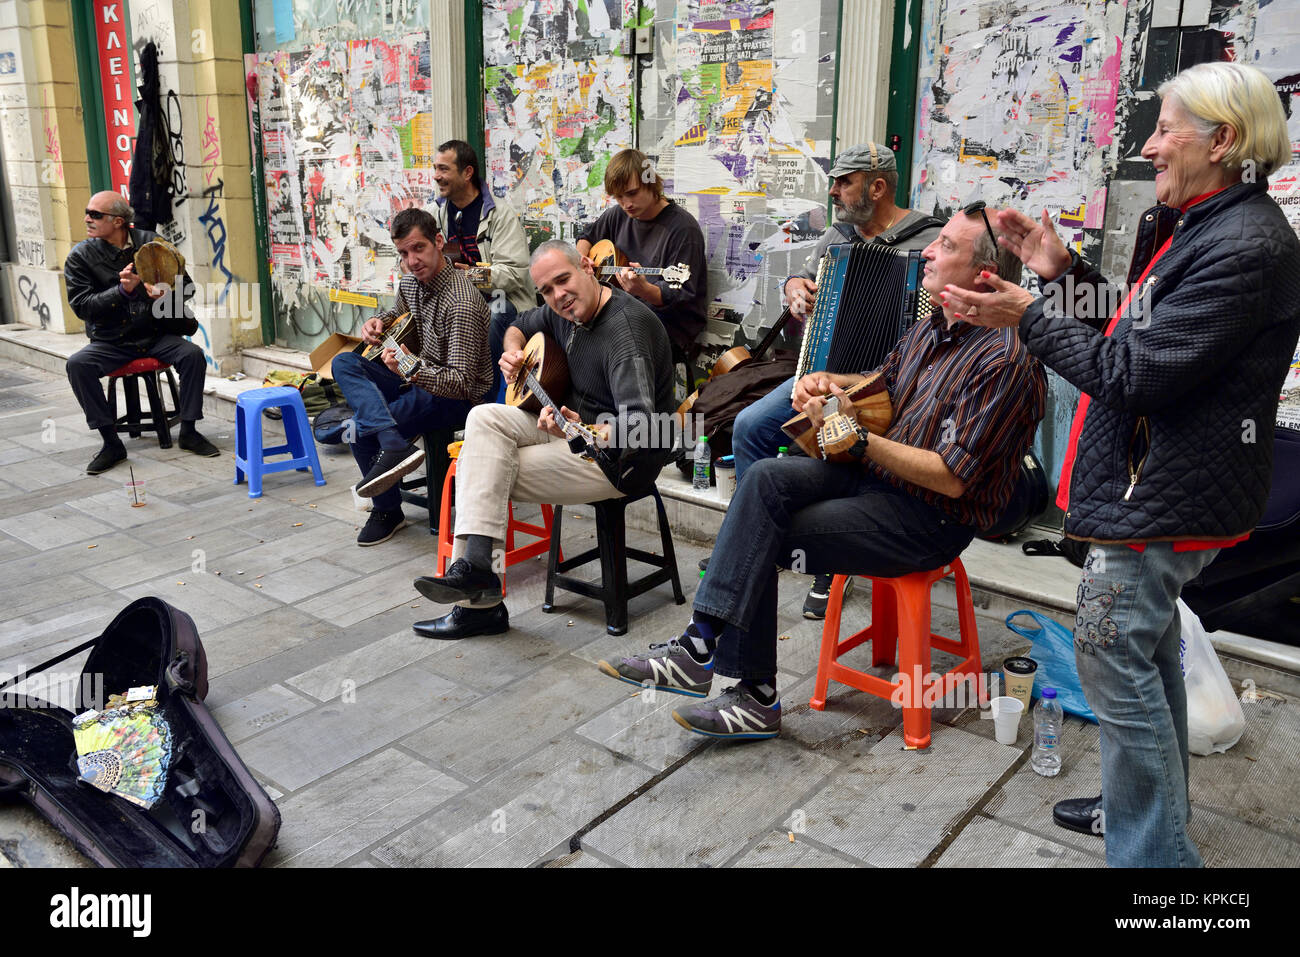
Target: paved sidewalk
x,y
383,749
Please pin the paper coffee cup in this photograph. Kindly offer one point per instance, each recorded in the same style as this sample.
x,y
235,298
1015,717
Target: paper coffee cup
x,y
1018,673
1006,718
725,470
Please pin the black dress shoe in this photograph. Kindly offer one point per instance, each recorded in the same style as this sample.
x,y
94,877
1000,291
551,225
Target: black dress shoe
x,y
193,442
463,582
106,458
464,622
1080,814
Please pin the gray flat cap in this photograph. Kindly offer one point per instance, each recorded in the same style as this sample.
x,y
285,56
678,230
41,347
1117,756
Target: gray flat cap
x,y
869,157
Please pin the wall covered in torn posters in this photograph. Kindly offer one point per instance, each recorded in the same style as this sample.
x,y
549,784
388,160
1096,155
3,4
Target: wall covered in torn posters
x,y
1046,104
343,104
735,109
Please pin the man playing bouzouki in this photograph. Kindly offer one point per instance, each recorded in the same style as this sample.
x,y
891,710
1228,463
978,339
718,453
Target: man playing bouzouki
x,y
450,326
965,407
619,365
652,230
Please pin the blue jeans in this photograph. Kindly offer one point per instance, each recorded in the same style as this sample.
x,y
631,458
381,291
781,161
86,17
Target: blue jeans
x,y
1126,644
380,399
815,517
757,433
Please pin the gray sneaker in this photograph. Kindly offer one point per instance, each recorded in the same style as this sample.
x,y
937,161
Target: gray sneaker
x,y
667,666
733,714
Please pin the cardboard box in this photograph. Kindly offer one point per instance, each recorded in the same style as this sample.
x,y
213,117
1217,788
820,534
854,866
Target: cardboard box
x,y
323,355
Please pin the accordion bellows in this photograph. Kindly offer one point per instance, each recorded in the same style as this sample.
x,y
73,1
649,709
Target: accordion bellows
x,y
868,296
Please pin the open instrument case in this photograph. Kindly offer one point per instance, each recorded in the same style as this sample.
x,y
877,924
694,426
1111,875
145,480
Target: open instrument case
x,y
211,812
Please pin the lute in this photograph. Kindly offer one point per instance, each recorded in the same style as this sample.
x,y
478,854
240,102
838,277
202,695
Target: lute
x,y
543,358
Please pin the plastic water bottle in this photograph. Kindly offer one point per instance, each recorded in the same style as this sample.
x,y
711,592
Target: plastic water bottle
x,y
700,480
1046,759
781,452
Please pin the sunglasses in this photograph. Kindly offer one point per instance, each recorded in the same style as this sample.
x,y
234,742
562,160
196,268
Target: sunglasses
x,y
96,214
978,207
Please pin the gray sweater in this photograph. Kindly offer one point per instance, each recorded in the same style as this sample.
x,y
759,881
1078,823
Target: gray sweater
x,y
620,369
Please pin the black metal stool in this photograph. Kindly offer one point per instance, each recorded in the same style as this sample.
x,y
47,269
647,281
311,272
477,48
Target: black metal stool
x,y
436,464
613,589
158,419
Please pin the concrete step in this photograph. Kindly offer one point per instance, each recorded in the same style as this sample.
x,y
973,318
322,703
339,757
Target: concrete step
x,y
257,362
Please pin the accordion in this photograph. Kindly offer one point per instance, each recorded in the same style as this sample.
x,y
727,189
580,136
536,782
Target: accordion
x,y
868,296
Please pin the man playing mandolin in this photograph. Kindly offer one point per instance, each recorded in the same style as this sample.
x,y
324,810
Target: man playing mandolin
x,y
619,364
653,231
965,407
390,405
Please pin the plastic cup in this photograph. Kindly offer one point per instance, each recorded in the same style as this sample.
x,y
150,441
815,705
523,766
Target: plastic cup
x,y
135,493
1006,718
1018,673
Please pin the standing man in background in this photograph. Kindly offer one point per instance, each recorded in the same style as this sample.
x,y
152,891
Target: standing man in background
x,y
478,230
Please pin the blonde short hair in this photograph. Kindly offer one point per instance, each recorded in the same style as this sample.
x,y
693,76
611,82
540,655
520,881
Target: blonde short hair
x,y
1244,98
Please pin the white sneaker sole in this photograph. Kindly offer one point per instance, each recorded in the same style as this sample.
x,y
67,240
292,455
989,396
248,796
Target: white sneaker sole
x,y
392,476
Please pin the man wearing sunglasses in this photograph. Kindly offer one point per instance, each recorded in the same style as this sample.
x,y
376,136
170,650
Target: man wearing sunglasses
x,y
126,319
966,405
863,183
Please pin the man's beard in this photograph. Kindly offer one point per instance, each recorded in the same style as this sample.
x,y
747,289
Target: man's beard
x,y
859,214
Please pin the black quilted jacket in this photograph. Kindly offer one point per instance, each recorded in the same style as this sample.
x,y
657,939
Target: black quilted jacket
x,y
1178,439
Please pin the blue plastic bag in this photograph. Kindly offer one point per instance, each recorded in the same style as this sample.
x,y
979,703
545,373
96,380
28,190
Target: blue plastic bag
x,y
1054,651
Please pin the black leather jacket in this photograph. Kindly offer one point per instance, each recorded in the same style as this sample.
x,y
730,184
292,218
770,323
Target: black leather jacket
x,y
1178,438
110,315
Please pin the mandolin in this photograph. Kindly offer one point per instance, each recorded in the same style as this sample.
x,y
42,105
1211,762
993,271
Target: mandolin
x,y
546,370
870,408
607,260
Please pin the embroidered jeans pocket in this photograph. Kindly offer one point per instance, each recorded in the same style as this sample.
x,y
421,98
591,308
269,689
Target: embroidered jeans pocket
x,y
1093,625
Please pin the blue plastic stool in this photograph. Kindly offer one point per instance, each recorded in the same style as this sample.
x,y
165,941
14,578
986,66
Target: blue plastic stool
x,y
250,457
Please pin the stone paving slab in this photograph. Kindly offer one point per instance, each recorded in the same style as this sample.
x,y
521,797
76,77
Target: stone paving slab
x,y
243,646
52,527
368,663
985,842
710,810
305,748
254,713
361,804
211,601
779,850
894,807
539,803
499,729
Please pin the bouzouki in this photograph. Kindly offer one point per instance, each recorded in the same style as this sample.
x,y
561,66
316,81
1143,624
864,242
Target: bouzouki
x,y
397,332
546,370
870,408
479,273
607,260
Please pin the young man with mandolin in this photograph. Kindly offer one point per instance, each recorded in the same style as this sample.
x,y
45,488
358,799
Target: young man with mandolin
x,y
394,398
619,372
965,407
651,230
864,179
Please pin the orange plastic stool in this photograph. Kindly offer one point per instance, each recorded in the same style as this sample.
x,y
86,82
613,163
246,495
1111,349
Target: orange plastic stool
x,y
542,533
900,622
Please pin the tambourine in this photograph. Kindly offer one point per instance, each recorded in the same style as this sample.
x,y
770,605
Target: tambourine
x,y
158,261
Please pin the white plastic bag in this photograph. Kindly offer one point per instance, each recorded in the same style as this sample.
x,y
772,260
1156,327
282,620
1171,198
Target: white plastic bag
x,y
1215,721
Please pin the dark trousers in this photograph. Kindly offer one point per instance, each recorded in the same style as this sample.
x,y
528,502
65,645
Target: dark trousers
x,y
816,518
87,366
380,399
504,314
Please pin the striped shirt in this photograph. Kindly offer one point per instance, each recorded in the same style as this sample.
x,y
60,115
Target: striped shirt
x,y
974,396
452,326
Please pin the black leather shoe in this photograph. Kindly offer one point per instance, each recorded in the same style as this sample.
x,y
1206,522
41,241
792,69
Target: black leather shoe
x,y
194,442
464,622
106,458
1080,814
463,582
